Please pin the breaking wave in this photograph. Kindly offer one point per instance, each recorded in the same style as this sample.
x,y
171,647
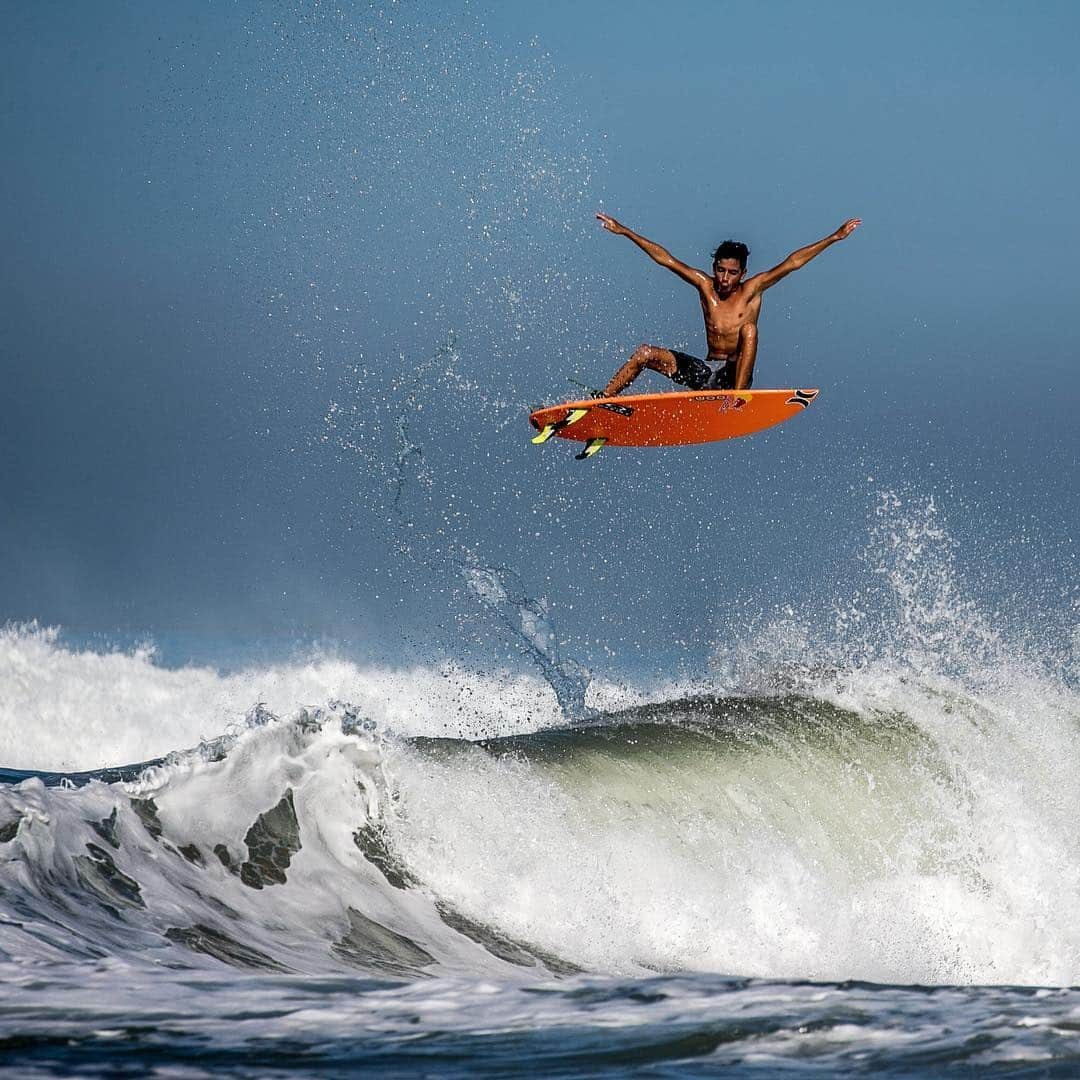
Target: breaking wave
x,y
892,801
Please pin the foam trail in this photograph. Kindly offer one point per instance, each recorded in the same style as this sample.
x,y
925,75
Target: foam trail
x,y
502,592
498,590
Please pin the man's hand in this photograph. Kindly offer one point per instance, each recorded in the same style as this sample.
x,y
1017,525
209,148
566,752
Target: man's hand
x,y
698,278
757,284
611,224
847,228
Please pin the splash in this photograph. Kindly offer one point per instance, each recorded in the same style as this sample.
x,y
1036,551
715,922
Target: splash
x,y
491,181
906,606
66,709
501,591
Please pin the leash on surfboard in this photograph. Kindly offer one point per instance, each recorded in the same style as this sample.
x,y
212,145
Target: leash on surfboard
x,y
572,417
592,446
622,410
593,392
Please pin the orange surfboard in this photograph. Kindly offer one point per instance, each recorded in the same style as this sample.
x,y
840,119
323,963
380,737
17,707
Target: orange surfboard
x,y
672,419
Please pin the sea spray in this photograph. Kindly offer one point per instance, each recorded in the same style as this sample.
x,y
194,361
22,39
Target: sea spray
x,y
69,708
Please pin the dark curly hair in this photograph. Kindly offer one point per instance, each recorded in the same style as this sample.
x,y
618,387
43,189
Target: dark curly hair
x,y
732,249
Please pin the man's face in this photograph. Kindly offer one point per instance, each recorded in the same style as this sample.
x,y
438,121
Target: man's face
x,y
727,273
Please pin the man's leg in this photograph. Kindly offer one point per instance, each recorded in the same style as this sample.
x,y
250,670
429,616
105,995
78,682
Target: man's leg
x,y
645,356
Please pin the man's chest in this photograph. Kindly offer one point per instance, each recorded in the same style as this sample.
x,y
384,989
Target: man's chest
x,y
731,313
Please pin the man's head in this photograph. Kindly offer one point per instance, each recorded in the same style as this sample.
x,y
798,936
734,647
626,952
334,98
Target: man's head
x,y
729,265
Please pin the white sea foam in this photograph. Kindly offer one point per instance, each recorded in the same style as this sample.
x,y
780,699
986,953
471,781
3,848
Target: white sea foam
x,y
920,835
943,852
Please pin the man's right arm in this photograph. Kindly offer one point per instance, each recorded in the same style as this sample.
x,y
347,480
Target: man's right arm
x,y
744,358
697,278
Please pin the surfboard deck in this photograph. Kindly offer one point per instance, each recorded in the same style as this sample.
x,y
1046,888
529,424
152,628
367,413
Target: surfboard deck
x,y
682,418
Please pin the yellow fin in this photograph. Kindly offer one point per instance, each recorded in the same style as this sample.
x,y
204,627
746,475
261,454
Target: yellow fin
x,y
591,447
572,417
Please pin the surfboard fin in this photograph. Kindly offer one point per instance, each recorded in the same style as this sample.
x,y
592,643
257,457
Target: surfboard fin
x,y
572,417
591,447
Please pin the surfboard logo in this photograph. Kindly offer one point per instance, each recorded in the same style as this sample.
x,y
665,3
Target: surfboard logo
x,y
726,403
622,410
802,397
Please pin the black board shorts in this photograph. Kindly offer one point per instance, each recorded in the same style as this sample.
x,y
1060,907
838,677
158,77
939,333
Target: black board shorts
x,y
696,374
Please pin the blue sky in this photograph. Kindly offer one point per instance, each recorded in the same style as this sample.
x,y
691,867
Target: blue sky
x,y
226,223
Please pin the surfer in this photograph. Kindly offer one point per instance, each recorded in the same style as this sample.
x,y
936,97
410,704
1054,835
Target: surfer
x,y
730,306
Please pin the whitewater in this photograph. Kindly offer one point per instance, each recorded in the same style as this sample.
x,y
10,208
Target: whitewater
x,y
848,855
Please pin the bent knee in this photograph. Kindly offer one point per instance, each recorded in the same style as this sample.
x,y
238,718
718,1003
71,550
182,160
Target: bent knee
x,y
654,356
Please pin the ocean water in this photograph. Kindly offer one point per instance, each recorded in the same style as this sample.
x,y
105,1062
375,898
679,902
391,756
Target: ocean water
x,y
838,858
845,844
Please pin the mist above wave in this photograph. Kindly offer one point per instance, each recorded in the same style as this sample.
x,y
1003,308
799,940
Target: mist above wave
x,y
67,709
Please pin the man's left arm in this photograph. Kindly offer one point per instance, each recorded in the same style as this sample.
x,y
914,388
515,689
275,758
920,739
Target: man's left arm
x,y
798,259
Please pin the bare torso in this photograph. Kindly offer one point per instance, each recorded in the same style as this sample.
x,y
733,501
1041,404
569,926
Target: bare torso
x,y
725,318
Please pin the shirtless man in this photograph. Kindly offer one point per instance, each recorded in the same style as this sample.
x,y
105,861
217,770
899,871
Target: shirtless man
x,y
730,306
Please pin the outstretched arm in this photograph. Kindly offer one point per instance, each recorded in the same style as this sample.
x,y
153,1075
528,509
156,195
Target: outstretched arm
x,y
697,278
797,259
